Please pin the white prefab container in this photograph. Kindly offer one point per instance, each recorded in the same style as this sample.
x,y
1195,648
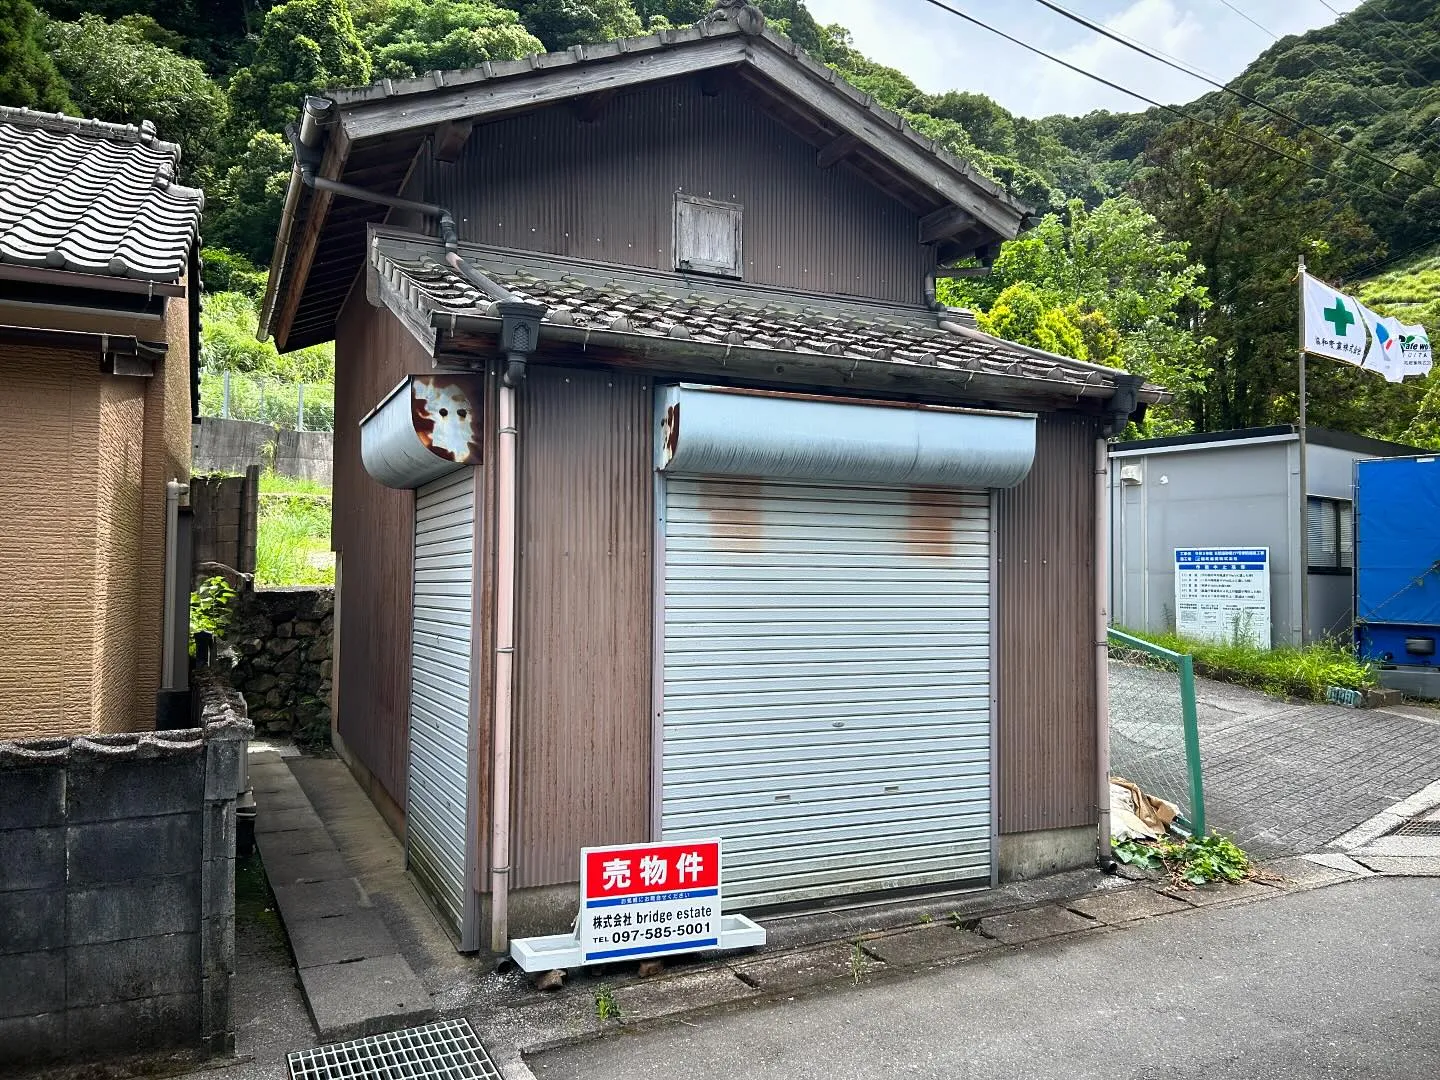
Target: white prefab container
x,y
437,818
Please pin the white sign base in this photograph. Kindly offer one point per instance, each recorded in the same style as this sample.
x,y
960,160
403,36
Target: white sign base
x,y
565,951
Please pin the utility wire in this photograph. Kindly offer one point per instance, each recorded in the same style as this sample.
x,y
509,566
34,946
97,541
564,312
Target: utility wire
x,y
1105,31
1370,268
1308,59
1393,55
1321,170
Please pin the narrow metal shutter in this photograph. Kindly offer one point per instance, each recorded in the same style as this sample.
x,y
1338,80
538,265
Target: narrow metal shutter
x,y
827,684
436,813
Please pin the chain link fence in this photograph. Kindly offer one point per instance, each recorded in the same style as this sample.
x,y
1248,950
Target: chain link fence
x,y
233,395
1154,730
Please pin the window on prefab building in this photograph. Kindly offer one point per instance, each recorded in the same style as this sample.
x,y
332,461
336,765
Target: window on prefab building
x,y
1330,525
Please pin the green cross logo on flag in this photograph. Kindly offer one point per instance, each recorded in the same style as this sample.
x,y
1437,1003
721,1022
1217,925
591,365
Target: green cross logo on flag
x,y
1332,323
1339,316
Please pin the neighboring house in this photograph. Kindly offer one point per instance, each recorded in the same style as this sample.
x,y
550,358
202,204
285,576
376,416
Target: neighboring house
x,y
98,325
716,524
1238,489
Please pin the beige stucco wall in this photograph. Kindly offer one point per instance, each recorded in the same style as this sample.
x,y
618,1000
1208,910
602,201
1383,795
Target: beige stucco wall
x,y
84,458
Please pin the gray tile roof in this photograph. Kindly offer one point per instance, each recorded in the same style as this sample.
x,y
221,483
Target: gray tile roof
x,y
93,197
593,297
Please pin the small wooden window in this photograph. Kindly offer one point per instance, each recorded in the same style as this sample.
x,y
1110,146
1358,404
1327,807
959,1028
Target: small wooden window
x,y
707,236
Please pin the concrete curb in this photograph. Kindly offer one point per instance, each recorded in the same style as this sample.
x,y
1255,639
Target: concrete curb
x,y
566,1018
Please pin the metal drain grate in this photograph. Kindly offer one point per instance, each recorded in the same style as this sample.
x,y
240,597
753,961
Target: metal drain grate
x,y
447,1050
1418,827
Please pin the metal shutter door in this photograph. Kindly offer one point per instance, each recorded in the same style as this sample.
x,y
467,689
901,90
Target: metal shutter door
x,y
826,673
436,817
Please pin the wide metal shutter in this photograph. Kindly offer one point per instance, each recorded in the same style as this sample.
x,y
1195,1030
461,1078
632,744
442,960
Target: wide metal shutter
x,y
436,812
826,662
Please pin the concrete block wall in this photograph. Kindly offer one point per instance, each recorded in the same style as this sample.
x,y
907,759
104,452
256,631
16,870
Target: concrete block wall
x,y
229,446
224,517
117,890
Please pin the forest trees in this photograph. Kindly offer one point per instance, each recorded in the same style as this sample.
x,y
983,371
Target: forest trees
x,y
1252,201
1108,286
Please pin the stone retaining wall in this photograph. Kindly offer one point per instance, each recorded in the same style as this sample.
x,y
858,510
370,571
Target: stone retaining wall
x,y
282,640
117,889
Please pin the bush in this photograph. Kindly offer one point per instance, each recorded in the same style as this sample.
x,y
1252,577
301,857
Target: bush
x,y
1284,671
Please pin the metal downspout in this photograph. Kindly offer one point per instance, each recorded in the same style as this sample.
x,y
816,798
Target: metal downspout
x,y
519,334
170,635
503,703
1102,648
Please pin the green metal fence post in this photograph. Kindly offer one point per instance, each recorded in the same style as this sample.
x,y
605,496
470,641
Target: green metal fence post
x,y
1192,742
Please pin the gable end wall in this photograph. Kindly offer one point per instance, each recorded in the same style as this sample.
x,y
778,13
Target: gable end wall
x,y
604,190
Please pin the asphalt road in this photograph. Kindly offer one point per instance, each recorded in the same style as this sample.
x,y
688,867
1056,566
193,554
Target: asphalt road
x,y
1337,982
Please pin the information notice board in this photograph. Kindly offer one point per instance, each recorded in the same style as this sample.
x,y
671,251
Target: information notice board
x,y
1223,594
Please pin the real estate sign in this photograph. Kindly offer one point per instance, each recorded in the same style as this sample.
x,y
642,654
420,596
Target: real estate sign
x,y
1223,594
643,900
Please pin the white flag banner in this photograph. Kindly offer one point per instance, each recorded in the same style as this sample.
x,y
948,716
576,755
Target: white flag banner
x,y
1415,351
1333,327
1383,356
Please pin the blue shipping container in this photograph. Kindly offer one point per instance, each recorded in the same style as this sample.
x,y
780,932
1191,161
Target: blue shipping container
x,y
1397,560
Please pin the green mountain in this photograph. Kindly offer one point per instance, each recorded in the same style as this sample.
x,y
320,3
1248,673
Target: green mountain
x,y
1168,242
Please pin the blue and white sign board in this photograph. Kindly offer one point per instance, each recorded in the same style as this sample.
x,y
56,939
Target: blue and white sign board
x,y
639,901
1223,594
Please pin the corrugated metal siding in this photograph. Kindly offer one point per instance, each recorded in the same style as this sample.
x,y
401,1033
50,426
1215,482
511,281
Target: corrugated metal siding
x,y
373,529
605,190
1045,638
582,730
437,818
827,684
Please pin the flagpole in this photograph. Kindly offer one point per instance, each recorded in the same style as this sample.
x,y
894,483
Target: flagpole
x,y
1304,487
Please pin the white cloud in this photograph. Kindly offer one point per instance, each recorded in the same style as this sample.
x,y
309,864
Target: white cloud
x,y
941,52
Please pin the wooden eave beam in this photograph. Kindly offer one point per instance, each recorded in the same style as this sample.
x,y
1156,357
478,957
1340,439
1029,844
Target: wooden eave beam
x,y
587,109
331,165
836,150
545,86
945,222
450,139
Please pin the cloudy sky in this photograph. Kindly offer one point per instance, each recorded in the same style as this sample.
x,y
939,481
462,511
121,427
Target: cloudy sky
x,y
940,52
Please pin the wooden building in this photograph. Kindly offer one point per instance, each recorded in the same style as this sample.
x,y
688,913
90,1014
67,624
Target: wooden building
x,y
669,503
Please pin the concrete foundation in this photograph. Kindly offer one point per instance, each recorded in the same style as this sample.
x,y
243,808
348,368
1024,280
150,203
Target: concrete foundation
x,y
1046,851
1412,682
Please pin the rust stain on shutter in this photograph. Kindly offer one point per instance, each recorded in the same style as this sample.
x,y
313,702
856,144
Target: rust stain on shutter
x,y
734,510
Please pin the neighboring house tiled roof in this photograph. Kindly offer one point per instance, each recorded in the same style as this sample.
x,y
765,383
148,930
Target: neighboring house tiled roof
x,y
93,197
599,298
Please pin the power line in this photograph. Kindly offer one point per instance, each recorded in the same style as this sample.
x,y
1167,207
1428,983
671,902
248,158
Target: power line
x,y
1308,59
1393,55
1321,170
1379,264
1105,31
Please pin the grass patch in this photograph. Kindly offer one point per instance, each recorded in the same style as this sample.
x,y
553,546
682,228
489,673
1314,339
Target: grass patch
x,y
272,483
1284,671
292,536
